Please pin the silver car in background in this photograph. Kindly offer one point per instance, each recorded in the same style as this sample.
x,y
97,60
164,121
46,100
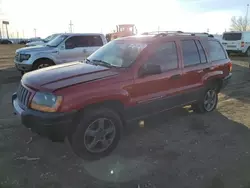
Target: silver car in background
x,y
42,42
67,47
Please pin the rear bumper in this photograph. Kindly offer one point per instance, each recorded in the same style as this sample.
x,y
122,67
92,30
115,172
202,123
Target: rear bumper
x,y
226,80
55,126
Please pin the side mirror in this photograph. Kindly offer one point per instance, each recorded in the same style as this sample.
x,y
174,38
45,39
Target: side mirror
x,y
149,69
62,47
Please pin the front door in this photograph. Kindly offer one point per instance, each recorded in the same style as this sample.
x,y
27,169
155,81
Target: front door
x,y
72,50
157,92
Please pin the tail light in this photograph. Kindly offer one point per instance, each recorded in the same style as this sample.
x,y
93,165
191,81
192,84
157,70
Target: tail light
x,y
230,66
242,44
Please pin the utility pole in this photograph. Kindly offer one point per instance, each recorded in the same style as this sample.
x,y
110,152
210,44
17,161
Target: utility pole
x,y
246,18
158,29
70,27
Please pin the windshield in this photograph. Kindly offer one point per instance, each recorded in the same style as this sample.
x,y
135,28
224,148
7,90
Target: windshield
x,y
57,40
232,36
51,37
118,53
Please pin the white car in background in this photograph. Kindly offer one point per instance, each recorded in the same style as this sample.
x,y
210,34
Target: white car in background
x,y
237,42
42,42
67,47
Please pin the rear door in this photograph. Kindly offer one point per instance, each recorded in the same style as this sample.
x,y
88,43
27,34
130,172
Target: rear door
x,y
91,43
154,93
195,65
232,40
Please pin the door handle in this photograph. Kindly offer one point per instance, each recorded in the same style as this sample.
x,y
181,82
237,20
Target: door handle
x,y
207,69
175,77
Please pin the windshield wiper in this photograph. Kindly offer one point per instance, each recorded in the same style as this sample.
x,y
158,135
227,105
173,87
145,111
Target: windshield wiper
x,y
101,62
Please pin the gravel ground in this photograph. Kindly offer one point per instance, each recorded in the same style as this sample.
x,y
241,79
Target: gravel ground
x,y
174,149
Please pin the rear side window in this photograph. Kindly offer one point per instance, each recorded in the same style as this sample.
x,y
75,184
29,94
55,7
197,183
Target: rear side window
x,y
215,51
190,53
201,51
95,40
232,36
90,41
165,56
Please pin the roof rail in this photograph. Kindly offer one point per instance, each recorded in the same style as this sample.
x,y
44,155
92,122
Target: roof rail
x,y
166,33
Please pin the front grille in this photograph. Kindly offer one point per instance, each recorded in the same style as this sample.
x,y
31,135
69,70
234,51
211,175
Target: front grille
x,y
23,95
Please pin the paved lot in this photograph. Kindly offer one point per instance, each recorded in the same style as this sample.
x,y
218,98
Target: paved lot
x,y
175,149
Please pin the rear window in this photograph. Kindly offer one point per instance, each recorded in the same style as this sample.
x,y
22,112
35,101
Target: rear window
x,y
232,36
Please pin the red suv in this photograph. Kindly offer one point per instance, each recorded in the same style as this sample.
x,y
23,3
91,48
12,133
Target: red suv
x,y
128,78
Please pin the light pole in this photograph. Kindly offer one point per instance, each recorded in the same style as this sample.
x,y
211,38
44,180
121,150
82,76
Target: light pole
x,y
246,18
35,32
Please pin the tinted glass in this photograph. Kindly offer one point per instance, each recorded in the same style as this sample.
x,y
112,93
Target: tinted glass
x,y
232,36
165,56
83,41
215,51
201,52
89,41
72,42
190,53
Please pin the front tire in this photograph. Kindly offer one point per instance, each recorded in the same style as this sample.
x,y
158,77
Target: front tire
x,y
97,134
209,101
42,64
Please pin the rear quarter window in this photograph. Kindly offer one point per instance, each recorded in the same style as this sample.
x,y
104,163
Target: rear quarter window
x,y
215,51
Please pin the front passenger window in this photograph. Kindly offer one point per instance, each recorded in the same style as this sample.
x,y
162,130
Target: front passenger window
x,y
166,56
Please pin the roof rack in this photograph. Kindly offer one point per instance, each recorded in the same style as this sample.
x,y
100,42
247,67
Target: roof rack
x,y
166,33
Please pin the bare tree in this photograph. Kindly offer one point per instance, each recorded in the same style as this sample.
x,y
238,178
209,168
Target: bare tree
x,y
239,24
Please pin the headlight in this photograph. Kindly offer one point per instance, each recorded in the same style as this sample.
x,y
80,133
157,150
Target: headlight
x,y
46,102
24,57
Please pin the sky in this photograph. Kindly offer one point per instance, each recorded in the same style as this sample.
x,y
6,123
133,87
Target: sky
x,y
53,16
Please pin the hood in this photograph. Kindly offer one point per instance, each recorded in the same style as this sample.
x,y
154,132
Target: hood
x,y
59,76
39,48
35,43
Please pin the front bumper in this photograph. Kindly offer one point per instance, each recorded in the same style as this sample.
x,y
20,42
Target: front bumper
x,y
23,67
226,80
55,126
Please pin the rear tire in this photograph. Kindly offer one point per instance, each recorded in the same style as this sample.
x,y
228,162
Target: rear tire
x,y
42,64
209,101
97,134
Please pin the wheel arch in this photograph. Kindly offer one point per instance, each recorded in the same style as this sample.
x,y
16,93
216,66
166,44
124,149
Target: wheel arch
x,y
42,59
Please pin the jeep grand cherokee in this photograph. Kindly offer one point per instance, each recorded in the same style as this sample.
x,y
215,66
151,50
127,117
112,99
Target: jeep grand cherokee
x,y
127,79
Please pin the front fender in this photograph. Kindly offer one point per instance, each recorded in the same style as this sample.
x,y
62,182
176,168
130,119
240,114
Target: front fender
x,y
79,100
44,55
